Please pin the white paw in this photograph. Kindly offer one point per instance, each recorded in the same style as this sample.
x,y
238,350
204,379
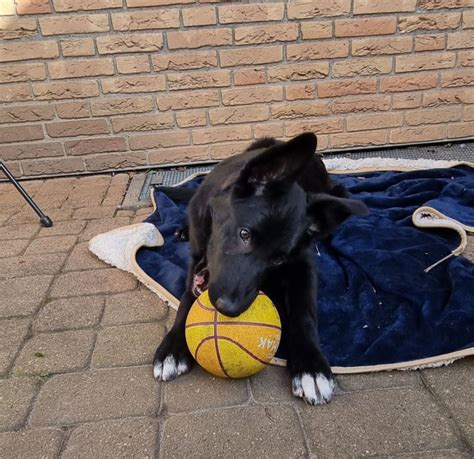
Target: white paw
x,y
170,368
314,389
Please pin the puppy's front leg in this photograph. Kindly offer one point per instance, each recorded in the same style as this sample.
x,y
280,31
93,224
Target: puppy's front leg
x,y
172,358
311,374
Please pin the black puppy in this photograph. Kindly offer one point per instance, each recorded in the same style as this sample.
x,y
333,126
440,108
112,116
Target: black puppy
x,y
251,224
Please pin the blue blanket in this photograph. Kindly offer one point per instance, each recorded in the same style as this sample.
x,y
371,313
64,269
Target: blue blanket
x,y
376,303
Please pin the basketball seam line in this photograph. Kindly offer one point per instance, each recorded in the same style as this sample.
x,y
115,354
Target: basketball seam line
x,y
216,342
260,324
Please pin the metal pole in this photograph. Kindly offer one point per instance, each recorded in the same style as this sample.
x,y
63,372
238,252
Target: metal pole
x,y
44,219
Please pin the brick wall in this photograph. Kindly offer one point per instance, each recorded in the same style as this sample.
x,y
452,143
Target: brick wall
x,y
94,85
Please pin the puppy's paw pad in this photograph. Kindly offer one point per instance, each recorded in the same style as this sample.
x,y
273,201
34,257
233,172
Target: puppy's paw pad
x,y
315,389
170,368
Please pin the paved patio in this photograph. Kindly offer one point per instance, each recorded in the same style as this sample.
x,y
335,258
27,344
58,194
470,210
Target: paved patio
x,y
77,338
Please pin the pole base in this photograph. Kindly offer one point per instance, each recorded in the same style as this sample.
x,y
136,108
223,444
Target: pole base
x,y
46,222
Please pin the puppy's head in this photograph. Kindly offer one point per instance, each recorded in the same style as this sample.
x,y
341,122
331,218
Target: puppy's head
x,y
263,219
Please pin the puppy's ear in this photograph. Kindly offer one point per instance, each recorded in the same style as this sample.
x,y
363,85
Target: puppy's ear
x,y
279,163
326,212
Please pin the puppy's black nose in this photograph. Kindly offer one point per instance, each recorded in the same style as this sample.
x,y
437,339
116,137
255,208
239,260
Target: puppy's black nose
x,y
227,307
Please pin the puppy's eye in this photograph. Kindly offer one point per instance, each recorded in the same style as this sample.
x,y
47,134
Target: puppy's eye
x,y
245,234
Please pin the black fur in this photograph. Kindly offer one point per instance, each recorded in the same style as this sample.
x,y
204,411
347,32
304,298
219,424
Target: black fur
x,y
281,196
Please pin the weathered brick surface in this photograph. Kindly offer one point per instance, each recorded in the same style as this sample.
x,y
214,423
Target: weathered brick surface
x,y
15,401
104,58
14,331
30,443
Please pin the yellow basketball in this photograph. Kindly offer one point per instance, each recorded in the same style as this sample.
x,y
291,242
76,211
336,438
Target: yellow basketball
x,y
233,347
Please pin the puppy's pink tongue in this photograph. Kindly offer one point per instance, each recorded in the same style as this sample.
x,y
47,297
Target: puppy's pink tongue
x,y
200,281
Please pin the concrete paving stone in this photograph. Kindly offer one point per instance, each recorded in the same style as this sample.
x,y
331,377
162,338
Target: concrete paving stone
x,y
200,390
16,395
141,305
127,345
454,386
27,215
31,444
253,432
60,186
439,454
117,190
23,296
12,334
4,217
14,247
273,384
96,395
19,231
380,422
52,244
92,283
48,353
31,265
90,213
144,211
125,213
95,227
82,258
380,380
63,228
70,313
76,201
125,438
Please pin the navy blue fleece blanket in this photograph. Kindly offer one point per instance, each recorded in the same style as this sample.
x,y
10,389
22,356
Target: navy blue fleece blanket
x,y
376,305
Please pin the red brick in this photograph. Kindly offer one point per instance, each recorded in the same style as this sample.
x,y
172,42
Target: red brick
x,y
146,20
358,139
300,91
65,90
74,24
27,132
376,6
298,71
185,61
461,40
131,43
79,109
408,100
265,34
438,4
362,67
75,128
115,161
191,118
90,146
33,6
466,58
229,14
25,113
306,10
430,42
300,110
322,50
425,61
122,105
346,87
179,155
75,48
257,94
130,85
132,64
366,26
16,92
199,16
188,100
407,24
139,3
28,50
85,5
240,114
80,68
457,78
250,56
52,166
460,130
469,113
198,80
17,28
468,19
31,150
448,97
382,45
276,130
417,134
315,30
160,140
361,104
247,76
221,134
375,121
323,126
225,150
441,115
151,122
22,72
408,82
199,38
